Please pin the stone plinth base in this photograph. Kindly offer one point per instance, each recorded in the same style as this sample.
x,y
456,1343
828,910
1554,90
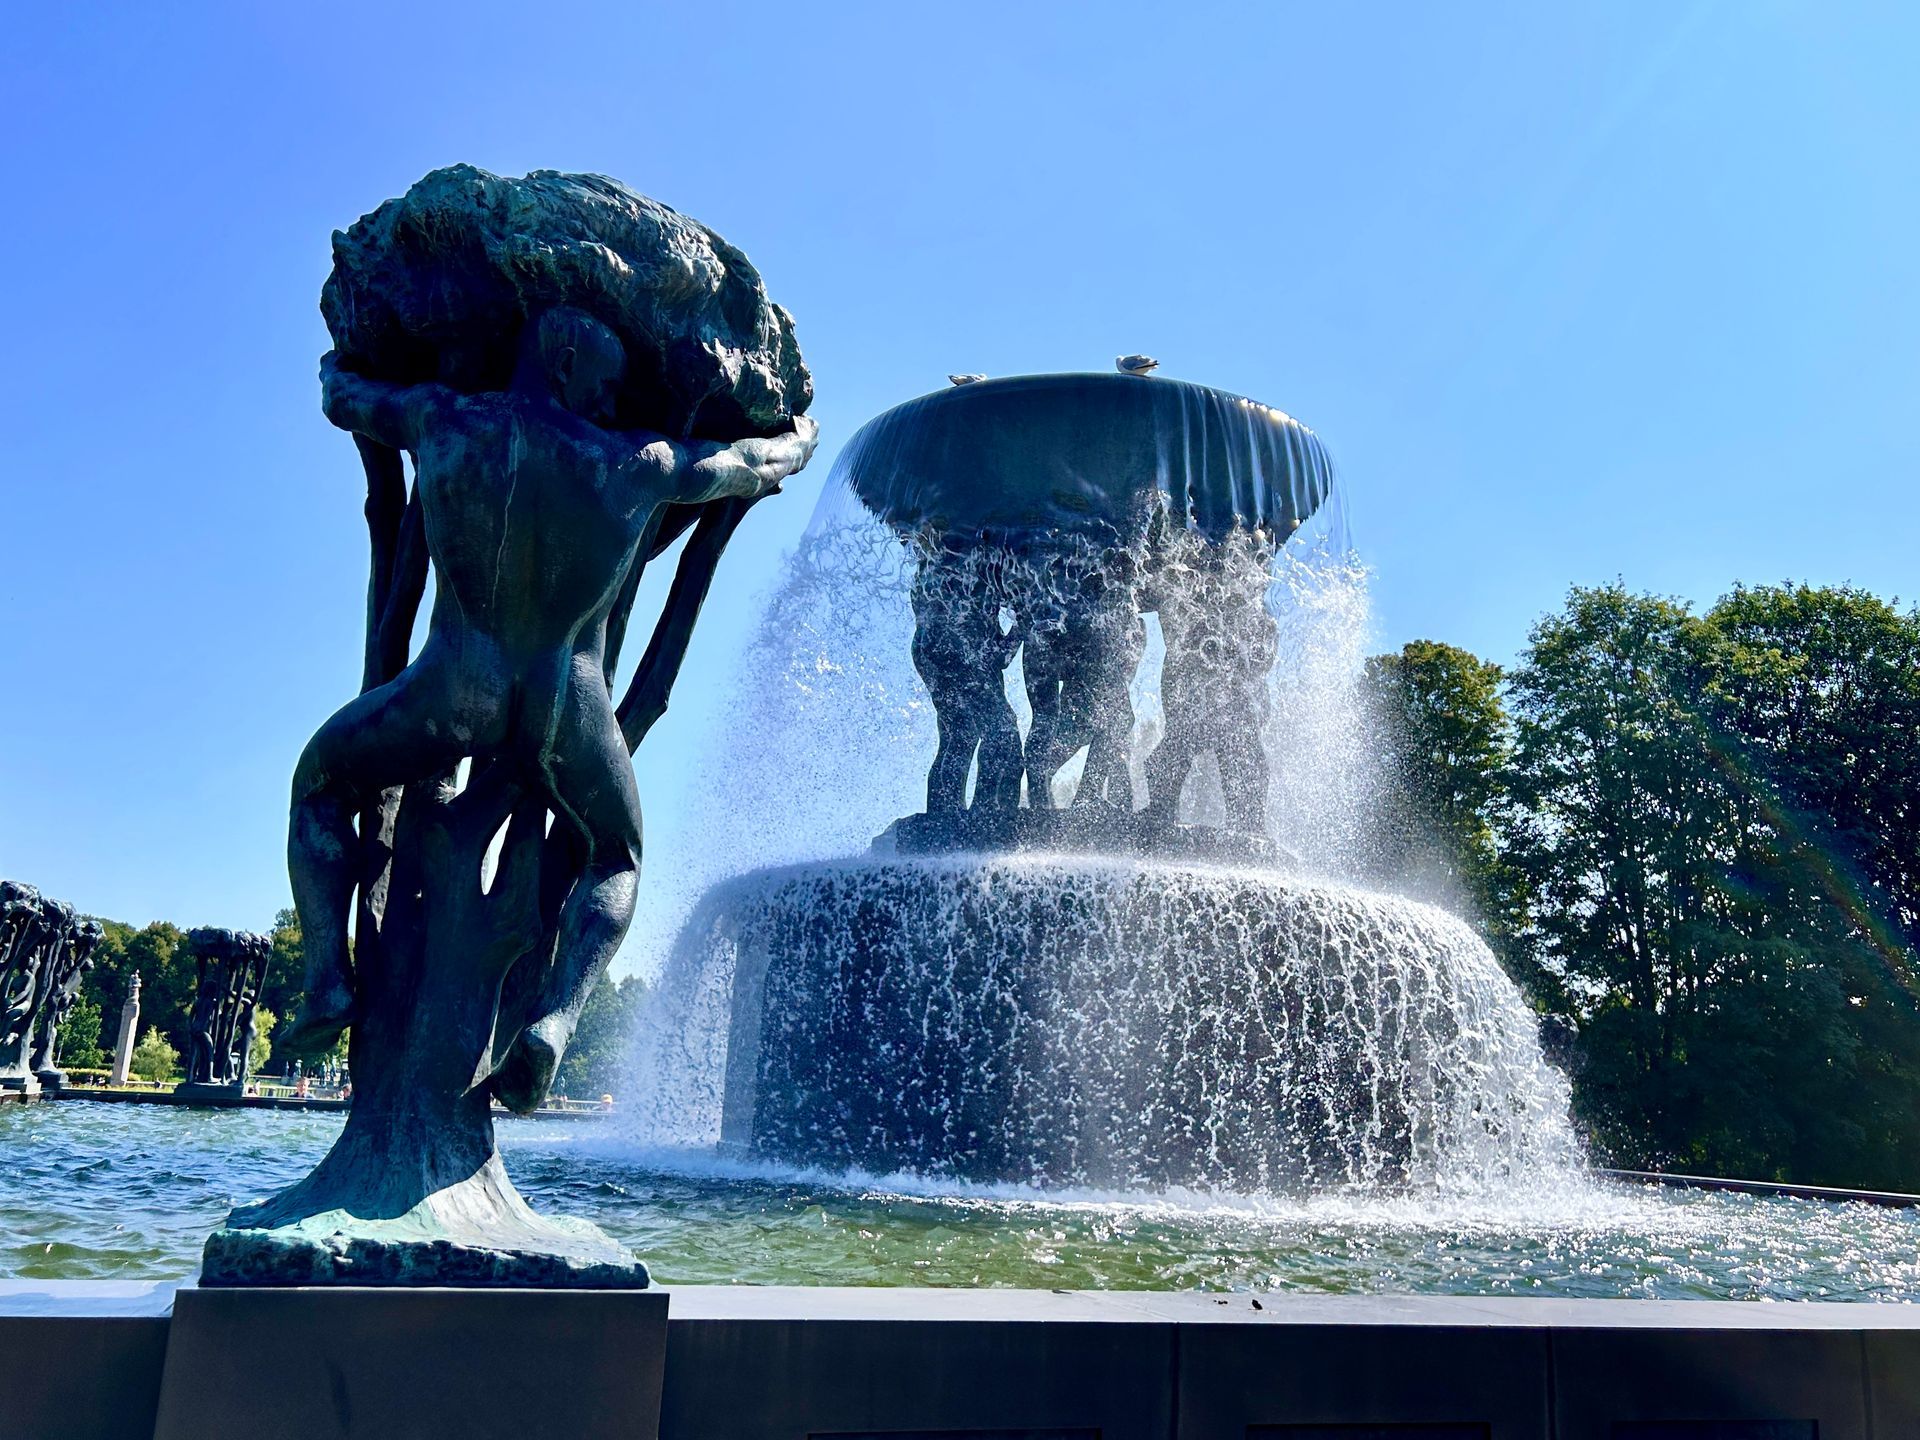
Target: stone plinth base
x,y
193,1092
479,1232
565,1254
329,1364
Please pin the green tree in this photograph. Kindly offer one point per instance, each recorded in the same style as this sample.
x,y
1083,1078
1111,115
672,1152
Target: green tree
x,y
1734,1012
262,1048
1446,743
1819,704
79,1036
165,962
154,1058
1824,694
596,1060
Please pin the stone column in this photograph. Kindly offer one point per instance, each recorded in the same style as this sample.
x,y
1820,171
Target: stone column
x,y
129,1032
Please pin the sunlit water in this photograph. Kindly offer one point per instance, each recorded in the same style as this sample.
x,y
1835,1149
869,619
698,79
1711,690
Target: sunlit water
x,y
130,1192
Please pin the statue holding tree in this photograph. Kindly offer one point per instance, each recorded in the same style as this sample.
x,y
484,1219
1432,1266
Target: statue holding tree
x,y
579,377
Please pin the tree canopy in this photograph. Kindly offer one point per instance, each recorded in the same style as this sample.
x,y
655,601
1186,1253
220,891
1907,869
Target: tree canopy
x,y
1693,839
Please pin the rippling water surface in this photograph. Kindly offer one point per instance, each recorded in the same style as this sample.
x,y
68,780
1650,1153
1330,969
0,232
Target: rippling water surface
x,y
130,1191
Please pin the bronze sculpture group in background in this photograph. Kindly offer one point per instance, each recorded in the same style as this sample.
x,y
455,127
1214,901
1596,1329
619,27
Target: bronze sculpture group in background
x,y
232,968
45,949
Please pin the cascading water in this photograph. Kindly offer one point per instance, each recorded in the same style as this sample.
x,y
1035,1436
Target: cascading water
x,y
1116,1023
994,994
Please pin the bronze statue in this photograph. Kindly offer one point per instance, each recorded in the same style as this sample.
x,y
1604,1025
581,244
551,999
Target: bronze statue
x,y
231,968
961,651
532,512
1092,500
1221,645
1078,661
580,377
44,950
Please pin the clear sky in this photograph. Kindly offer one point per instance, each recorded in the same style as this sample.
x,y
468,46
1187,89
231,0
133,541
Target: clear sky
x,y
1573,292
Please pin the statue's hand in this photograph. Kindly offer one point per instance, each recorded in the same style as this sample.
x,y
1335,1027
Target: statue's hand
x,y
796,450
807,431
330,377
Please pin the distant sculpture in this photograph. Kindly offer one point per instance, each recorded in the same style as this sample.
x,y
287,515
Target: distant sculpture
x,y
231,968
21,953
83,937
129,1033
581,377
44,950
201,1021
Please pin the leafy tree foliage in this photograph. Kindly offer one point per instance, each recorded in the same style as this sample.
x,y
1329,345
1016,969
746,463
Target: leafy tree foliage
x,y
80,1035
1446,742
596,1061
1700,847
262,1048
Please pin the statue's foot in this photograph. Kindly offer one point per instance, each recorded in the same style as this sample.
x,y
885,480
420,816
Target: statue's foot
x,y
324,1015
526,1076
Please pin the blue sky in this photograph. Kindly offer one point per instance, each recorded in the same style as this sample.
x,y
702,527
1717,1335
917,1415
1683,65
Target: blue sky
x,y
1572,291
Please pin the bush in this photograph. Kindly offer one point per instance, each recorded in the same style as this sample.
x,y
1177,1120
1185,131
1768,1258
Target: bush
x,y
153,1058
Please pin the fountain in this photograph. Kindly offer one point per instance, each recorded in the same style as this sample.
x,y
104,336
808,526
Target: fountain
x,y
1090,960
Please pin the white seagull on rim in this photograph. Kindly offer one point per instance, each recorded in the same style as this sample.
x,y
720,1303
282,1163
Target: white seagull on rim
x,y
1135,364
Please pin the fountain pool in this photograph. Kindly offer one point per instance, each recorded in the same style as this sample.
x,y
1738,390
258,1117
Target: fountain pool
x,y
130,1192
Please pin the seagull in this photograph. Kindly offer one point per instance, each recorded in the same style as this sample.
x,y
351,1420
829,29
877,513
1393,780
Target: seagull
x,y
966,379
1135,364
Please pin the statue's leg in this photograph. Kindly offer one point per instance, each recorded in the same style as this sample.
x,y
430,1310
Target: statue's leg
x,y
1172,759
589,781
953,753
947,776
1243,769
998,784
959,726
1039,663
1106,780
404,730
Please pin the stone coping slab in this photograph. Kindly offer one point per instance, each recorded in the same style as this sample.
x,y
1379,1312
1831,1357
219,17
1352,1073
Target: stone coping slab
x,y
830,1303
87,1299
818,1303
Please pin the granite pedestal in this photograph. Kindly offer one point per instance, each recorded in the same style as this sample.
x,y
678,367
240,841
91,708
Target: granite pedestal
x,y
392,1364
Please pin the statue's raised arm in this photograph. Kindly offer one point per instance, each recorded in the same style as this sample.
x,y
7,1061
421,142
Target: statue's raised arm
x,y
395,415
